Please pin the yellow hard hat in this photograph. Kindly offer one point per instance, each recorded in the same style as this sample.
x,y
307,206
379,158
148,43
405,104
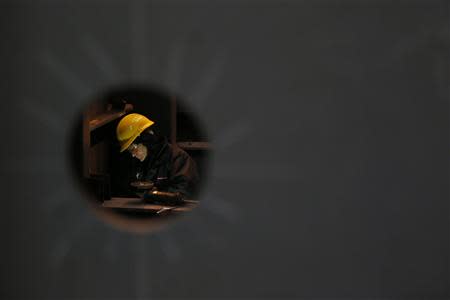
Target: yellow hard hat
x,y
130,127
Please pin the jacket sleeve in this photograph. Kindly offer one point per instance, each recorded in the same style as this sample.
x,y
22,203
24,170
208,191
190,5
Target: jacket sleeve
x,y
184,174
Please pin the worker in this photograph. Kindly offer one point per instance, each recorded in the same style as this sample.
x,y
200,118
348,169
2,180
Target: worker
x,y
167,166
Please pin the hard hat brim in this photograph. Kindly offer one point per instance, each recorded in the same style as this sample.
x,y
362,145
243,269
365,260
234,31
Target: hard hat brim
x,y
127,144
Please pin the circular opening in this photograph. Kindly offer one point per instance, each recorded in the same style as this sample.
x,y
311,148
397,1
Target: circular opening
x,y
140,155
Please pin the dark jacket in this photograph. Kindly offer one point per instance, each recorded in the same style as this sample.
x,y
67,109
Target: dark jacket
x,y
170,168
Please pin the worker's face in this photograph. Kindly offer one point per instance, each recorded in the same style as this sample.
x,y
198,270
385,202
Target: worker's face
x,y
138,150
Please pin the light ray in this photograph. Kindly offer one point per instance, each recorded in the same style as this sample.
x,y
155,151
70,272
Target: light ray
x,y
204,232
175,65
112,245
222,208
44,115
67,78
139,37
233,134
101,58
261,171
209,80
62,249
55,201
33,165
415,41
170,248
58,198
142,268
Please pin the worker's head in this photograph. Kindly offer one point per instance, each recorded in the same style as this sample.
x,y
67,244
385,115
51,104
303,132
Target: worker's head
x,y
129,129
144,143
138,150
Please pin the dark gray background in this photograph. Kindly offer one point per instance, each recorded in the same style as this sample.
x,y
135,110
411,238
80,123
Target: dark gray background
x,y
329,121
